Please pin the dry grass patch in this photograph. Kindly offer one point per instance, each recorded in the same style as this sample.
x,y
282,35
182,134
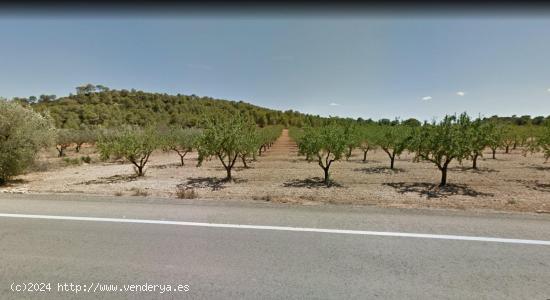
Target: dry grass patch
x,y
183,192
139,192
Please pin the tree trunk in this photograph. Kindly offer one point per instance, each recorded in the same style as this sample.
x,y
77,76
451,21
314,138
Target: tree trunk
x,y
365,156
443,176
507,149
260,151
228,178
2,181
392,160
61,151
244,162
77,149
494,153
140,171
327,177
181,158
474,162
350,149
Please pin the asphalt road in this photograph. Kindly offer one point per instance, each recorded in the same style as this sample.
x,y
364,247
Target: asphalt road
x,y
245,263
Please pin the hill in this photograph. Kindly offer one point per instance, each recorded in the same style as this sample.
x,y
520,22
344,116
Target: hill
x,y
111,108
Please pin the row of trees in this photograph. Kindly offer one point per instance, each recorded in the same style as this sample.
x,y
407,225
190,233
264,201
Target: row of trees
x,y
228,140
238,137
454,138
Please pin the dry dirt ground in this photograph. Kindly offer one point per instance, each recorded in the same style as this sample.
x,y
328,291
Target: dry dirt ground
x,y
512,182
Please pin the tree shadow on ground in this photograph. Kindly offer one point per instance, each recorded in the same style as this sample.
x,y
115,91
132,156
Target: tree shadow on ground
x,y
213,183
313,182
535,185
379,170
540,168
172,165
470,169
13,182
111,179
369,161
431,190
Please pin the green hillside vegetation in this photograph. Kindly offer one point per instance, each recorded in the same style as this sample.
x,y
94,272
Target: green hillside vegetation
x,y
100,106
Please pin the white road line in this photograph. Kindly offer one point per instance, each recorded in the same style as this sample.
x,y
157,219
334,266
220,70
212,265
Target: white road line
x,y
283,228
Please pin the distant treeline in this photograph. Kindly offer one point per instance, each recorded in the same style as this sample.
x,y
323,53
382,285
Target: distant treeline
x,y
97,105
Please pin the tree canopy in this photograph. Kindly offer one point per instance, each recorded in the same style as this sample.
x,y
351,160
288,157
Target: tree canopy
x,y
22,133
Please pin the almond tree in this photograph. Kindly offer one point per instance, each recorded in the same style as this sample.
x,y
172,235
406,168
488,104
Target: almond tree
x,y
443,142
63,139
367,140
353,137
135,145
324,144
541,142
181,141
225,139
251,141
83,136
393,140
509,137
495,136
479,139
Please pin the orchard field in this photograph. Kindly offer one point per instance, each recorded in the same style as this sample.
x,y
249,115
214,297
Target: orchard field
x,y
189,147
511,182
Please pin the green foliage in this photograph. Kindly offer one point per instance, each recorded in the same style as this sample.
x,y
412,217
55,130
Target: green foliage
x,y
352,135
510,135
541,142
412,122
135,145
267,136
441,143
478,135
95,105
226,139
84,136
295,133
367,139
86,159
22,133
252,140
393,140
181,141
63,139
324,144
495,136
72,161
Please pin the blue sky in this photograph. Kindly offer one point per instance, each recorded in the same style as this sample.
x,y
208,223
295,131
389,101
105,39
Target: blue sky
x,y
370,67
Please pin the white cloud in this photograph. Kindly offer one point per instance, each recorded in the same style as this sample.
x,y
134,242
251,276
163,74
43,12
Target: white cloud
x,y
460,93
548,90
334,104
427,98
